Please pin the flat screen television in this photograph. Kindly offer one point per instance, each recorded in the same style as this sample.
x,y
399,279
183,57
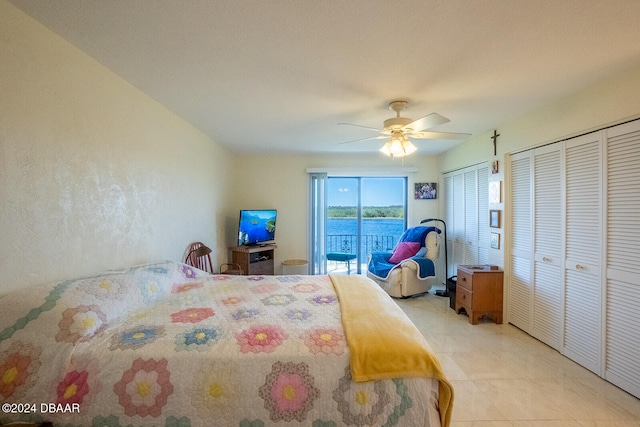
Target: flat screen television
x,y
257,226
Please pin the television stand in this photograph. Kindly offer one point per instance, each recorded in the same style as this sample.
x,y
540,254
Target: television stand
x,y
254,260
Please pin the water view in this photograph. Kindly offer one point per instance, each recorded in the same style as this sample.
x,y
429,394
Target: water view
x,y
377,234
377,227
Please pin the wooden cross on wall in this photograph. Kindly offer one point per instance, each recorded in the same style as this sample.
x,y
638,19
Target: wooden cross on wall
x,y
495,139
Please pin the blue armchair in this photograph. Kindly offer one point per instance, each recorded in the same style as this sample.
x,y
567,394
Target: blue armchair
x,y
409,269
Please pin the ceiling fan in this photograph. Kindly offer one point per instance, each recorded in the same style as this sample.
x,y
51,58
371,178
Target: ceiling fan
x,y
401,129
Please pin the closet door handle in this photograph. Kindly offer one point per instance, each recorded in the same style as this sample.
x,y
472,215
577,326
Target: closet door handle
x,y
580,267
545,259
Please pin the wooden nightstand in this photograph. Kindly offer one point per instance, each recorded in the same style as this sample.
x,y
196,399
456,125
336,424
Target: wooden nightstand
x,y
479,292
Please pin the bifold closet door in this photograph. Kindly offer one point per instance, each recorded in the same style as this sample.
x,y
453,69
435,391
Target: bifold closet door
x,y
466,212
548,281
470,245
584,230
484,232
449,200
622,365
457,226
520,291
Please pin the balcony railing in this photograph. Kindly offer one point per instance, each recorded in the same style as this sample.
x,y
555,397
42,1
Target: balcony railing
x,y
370,243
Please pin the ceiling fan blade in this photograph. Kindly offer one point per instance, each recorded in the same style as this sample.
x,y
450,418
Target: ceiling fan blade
x,y
365,139
360,126
439,135
426,122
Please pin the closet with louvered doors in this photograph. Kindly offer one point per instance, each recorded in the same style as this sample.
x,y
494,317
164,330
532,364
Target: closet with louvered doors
x,y
536,289
573,279
548,209
622,331
466,213
455,221
556,219
585,228
520,253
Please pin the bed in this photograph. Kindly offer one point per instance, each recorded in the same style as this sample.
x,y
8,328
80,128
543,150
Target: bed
x,y
165,344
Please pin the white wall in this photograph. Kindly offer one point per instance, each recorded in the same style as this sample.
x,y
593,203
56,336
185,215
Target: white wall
x,y
263,181
94,174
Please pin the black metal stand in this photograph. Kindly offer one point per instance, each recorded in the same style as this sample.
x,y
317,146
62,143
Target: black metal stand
x,y
445,292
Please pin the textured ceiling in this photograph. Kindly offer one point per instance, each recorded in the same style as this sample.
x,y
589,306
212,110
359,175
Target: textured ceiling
x,y
279,75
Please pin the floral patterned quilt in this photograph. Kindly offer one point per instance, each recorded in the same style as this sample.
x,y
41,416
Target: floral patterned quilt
x,y
168,345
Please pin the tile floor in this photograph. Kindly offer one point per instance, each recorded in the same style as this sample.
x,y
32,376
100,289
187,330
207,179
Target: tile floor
x,y
504,377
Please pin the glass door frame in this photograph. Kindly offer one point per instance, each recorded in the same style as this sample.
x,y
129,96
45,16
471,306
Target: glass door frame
x,y
318,208
359,244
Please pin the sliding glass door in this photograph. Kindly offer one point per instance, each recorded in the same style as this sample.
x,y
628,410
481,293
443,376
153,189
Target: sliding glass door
x,y
362,215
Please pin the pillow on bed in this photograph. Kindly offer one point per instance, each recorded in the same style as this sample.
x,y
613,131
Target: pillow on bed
x,y
403,251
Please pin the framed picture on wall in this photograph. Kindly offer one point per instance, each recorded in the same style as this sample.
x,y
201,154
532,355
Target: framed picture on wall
x,y
425,191
495,191
494,167
495,240
494,218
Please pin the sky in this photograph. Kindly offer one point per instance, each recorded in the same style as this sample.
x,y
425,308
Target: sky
x,y
375,191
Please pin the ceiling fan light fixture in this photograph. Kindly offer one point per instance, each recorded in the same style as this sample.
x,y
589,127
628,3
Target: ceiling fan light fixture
x,y
408,147
386,148
398,146
402,128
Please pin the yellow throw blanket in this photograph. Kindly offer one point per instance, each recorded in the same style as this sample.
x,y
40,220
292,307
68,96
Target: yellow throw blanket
x,y
386,346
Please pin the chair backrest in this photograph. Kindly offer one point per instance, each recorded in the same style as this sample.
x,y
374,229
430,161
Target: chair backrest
x,y
201,262
432,243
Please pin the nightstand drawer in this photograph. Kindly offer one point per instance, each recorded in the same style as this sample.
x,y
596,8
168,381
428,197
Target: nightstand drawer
x,y
464,299
465,280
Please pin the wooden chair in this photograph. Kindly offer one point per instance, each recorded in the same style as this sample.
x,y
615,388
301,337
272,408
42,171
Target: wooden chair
x,y
198,256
